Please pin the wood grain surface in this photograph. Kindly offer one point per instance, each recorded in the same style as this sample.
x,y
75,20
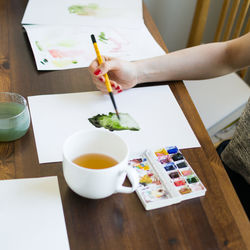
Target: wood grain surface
x,y
216,221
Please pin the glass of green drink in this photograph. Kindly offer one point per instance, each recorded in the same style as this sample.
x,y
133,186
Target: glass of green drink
x,y
14,116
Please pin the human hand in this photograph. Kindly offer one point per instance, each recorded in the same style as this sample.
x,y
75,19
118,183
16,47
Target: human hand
x,y
122,74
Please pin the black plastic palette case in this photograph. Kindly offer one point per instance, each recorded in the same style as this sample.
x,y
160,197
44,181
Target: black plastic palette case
x,y
166,178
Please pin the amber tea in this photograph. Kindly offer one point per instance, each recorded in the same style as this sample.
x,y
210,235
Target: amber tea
x,y
95,164
95,161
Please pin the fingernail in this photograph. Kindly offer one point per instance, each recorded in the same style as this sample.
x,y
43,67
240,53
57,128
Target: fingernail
x,y
118,87
97,72
112,84
101,79
119,91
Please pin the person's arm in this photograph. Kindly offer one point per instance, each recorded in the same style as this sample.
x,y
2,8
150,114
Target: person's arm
x,y
199,62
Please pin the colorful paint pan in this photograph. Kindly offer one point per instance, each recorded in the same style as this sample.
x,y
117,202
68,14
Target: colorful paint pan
x,y
192,179
174,175
179,182
187,172
161,152
172,150
177,157
170,166
185,190
165,159
182,164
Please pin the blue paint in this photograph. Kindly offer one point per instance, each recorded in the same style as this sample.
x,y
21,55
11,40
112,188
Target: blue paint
x,y
170,166
172,150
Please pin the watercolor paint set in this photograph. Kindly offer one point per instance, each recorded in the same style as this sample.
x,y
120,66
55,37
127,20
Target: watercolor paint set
x,y
166,178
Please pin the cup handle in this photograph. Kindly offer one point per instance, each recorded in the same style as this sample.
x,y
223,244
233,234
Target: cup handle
x,y
133,177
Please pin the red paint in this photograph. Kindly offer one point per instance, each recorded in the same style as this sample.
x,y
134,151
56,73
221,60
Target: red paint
x,y
179,182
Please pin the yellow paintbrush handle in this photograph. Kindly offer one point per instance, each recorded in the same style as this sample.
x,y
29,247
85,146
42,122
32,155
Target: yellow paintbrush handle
x,y
99,58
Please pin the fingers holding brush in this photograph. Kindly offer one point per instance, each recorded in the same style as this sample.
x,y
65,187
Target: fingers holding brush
x,y
122,73
100,84
97,74
117,88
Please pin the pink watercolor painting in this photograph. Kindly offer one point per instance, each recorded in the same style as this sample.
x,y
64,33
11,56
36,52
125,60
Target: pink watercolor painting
x,y
56,53
114,43
62,53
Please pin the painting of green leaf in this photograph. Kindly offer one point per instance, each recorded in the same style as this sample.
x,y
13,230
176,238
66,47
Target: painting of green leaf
x,y
44,61
102,37
38,46
111,122
84,10
66,43
63,63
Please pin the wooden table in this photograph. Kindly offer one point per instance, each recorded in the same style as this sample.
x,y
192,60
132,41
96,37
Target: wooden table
x,y
216,221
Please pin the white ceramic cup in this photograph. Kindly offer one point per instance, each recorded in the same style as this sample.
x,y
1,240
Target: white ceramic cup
x,y
97,183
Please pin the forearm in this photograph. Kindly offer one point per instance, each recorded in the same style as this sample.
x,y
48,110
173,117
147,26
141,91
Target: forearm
x,y
200,62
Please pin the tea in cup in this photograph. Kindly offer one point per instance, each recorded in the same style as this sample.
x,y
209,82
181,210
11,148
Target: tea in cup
x,y
95,164
14,116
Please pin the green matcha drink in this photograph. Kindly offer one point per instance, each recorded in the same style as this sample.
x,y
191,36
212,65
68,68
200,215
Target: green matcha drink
x,y
14,118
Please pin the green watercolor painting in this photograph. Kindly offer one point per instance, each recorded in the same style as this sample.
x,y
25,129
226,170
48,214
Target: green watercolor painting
x,y
102,37
84,10
67,43
38,45
111,122
63,63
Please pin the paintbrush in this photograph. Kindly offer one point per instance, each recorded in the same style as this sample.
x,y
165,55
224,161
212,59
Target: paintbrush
x,y
107,82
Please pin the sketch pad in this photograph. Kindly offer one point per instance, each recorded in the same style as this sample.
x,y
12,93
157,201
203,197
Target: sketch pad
x,y
155,109
127,13
59,32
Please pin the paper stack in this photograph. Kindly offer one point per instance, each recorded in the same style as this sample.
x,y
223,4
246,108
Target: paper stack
x,y
59,32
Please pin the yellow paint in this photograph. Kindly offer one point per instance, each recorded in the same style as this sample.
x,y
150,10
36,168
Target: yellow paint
x,y
146,179
161,152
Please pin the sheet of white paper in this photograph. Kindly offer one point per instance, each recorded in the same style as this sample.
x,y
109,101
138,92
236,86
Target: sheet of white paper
x,y
66,47
162,122
126,13
31,215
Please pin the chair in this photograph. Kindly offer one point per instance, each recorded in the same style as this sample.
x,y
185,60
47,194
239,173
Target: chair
x,y
221,100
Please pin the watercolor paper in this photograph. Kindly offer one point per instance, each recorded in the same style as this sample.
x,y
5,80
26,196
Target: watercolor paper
x,y
66,47
59,32
31,215
126,13
155,109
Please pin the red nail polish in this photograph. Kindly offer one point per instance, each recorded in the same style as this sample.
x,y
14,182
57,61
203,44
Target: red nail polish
x,y
117,88
119,91
97,72
112,84
101,79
